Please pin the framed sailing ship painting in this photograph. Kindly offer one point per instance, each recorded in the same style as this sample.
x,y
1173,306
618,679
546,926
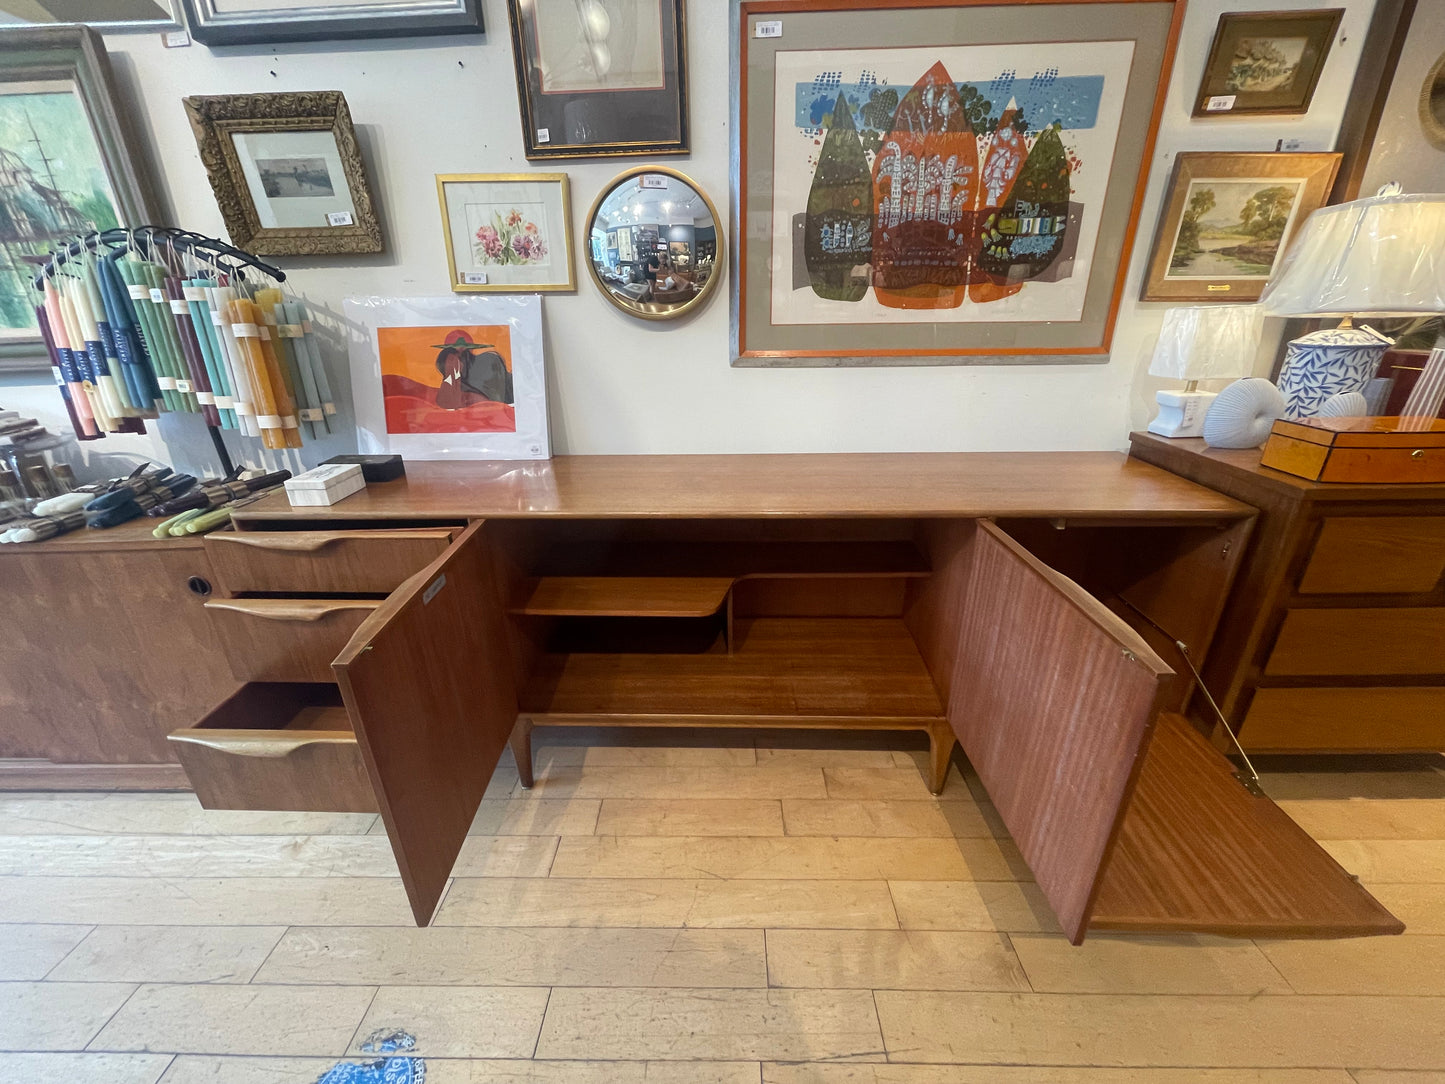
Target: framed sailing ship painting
x,y
67,165
967,194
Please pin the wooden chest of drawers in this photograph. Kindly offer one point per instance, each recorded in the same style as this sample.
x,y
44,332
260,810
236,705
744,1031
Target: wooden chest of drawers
x,y
1333,638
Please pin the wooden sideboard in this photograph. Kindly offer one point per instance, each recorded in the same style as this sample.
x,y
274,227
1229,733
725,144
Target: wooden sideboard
x,y
1026,605
1333,639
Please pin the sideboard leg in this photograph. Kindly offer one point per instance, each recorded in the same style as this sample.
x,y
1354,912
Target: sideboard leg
x,y
940,752
521,743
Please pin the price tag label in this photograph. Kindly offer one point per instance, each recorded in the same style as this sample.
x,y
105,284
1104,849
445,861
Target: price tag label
x,y
339,218
474,278
175,39
183,385
768,28
1219,103
544,135
157,296
652,180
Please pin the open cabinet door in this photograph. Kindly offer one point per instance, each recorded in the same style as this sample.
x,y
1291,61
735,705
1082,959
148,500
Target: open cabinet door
x,y
428,683
1129,819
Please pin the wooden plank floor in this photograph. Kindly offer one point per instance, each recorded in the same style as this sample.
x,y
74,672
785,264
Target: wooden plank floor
x,y
711,909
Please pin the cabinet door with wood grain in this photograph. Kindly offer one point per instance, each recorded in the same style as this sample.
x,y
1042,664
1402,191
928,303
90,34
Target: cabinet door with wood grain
x,y
428,683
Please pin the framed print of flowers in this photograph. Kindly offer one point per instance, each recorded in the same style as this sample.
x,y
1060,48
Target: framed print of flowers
x,y
507,232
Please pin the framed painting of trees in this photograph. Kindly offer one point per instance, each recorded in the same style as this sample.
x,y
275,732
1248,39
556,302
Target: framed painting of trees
x,y
1227,220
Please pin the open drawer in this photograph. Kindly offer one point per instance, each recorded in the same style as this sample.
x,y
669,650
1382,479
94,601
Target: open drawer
x,y
1127,817
321,562
284,639
277,746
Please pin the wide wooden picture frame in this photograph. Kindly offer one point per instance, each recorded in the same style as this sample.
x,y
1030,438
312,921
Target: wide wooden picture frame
x,y
1264,63
1032,127
56,152
1228,218
601,79
264,22
507,232
287,172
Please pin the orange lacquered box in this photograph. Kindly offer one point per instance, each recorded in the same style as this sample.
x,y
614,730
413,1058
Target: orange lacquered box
x,y
1374,449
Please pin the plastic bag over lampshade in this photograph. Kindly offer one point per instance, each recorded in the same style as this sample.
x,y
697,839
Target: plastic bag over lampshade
x,y
1208,342
1382,256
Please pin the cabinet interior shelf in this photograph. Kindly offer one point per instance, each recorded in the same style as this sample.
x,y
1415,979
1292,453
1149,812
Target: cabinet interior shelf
x,y
625,596
732,559
782,671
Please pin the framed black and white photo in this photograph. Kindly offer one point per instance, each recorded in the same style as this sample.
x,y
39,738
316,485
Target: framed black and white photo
x,y
601,77
259,22
287,172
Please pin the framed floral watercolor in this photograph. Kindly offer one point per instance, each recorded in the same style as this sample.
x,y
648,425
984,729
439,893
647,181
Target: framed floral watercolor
x,y
1266,62
507,232
966,193
1228,217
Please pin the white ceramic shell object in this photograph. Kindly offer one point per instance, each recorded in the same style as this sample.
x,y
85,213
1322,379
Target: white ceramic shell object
x,y
1243,413
1347,404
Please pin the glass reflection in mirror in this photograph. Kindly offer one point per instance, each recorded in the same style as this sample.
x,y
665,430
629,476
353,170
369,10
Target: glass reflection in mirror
x,y
654,247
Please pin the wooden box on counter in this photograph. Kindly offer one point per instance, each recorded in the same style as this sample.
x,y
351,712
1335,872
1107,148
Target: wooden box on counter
x,y
1359,449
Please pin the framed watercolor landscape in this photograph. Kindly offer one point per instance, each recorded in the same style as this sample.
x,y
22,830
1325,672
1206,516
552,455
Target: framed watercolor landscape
x,y
968,194
1227,220
1266,62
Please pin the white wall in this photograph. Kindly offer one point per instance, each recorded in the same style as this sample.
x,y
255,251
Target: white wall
x,y
624,385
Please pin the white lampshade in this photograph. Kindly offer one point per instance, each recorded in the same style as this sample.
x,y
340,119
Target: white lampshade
x,y
1208,342
1382,256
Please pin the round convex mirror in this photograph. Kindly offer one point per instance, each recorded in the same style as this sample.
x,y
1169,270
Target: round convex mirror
x,y
654,244
1432,104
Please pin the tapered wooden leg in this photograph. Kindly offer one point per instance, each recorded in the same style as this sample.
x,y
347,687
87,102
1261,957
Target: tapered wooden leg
x,y
521,743
940,752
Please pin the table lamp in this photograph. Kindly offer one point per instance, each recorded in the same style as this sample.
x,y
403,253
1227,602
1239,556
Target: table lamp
x,y
1203,342
1382,256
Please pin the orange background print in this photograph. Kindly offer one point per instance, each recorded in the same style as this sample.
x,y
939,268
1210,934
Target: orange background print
x,y
410,381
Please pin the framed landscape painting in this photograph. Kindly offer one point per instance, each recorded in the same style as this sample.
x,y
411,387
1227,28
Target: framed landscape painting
x,y
966,194
1227,220
1266,62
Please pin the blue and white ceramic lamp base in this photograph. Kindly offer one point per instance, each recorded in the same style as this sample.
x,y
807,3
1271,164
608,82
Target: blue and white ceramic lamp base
x,y
1327,363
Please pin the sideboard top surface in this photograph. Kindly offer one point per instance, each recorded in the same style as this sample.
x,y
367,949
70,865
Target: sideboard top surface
x,y
962,484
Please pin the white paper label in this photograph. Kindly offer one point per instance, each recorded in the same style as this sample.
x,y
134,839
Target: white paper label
x,y
226,402
175,39
264,334
138,293
474,278
180,308
167,383
243,408
330,408
1219,103
435,588
768,28
289,422
289,331
339,218
193,293
268,421
206,398
245,331
183,385
544,135
652,180
158,296
311,414
306,326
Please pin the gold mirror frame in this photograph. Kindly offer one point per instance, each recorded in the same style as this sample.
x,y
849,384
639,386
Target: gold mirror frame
x,y
650,310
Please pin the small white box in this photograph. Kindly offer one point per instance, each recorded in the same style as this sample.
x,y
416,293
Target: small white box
x,y
326,484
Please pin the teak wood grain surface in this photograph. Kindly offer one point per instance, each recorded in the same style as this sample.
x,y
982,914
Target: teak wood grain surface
x,y
963,484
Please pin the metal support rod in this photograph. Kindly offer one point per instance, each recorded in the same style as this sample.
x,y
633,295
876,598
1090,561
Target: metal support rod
x,y
1184,650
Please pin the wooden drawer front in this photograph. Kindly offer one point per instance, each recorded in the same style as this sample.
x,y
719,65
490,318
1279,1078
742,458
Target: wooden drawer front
x,y
1376,555
1360,643
1346,720
280,639
321,562
277,746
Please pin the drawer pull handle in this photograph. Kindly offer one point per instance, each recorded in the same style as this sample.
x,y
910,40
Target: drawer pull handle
x,y
1418,453
313,541
267,747
287,610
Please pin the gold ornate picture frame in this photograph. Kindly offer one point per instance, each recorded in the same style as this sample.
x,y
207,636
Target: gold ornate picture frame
x,y
507,232
287,172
